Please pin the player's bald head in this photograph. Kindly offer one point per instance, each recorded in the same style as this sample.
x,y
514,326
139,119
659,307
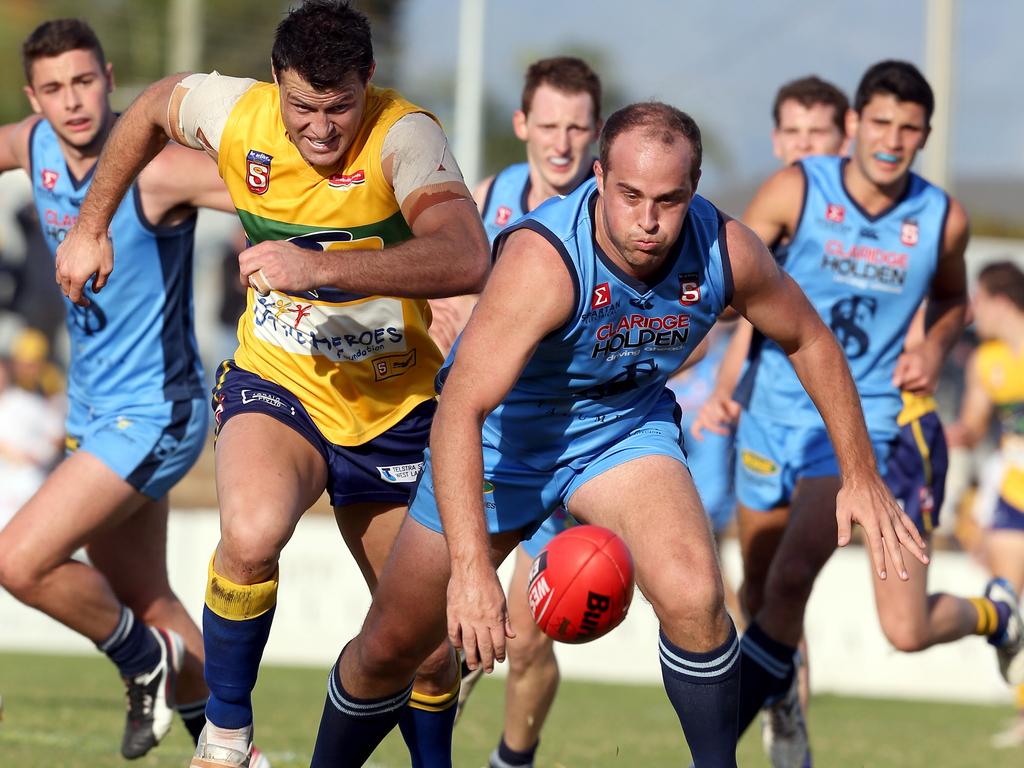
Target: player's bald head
x,y
658,122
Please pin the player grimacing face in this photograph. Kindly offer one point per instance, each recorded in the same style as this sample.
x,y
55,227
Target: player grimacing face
x,y
71,91
805,131
645,194
321,124
887,134
558,133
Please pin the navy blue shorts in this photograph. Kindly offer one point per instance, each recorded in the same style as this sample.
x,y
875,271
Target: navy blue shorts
x,y
916,470
1007,517
385,469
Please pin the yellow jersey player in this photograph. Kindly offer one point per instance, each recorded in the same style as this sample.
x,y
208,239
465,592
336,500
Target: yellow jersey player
x,y
358,213
995,387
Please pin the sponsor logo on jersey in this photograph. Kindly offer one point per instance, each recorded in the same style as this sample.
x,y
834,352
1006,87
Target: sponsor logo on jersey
x,y
401,473
909,233
866,265
267,398
347,180
634,332
758,464
504,213
49,179
689,288
835,213
601,297
389,366
488,486
56,224
257,171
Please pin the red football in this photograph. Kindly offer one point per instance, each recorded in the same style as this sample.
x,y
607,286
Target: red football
x,y
581,584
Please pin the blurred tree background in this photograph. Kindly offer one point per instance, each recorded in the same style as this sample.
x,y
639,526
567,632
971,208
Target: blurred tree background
x,y
140,38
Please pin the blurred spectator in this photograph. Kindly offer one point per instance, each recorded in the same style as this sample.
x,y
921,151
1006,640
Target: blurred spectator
x,y
31,367
38,300
30,442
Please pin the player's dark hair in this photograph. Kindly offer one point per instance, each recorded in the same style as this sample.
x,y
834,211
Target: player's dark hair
x,y
57,36
323,42
811,91
1003,278
567,74
895,78
659,121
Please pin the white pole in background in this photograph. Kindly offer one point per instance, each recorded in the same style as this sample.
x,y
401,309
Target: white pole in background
x,y
939,57
469,90
185,21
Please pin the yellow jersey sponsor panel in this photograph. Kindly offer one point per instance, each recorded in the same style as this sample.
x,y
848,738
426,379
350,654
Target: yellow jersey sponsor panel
x,y
358,364
1001,372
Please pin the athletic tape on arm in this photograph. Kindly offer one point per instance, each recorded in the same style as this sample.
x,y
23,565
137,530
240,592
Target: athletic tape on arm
x,y
199,109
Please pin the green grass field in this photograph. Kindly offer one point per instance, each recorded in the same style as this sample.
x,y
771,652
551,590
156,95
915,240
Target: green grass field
x,y
67,712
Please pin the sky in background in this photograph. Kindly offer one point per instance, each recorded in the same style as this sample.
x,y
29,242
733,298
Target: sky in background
x,y
723,60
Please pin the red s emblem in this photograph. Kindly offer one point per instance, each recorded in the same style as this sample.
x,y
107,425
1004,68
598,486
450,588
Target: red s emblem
x,y
689,289
602,296
257,171
909,233
49,179
503,215
835,213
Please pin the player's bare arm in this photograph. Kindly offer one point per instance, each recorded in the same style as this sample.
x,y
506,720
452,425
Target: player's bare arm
x,y
138,136
179,180
720,412
447,257
976,410
14,144
761,290
530,291
917,369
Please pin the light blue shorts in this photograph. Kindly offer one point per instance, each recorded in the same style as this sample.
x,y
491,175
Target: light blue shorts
x,y
712,466
520,498
772,457
556,522
150,446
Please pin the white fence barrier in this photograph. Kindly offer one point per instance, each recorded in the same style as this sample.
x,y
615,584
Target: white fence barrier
x,y
322,601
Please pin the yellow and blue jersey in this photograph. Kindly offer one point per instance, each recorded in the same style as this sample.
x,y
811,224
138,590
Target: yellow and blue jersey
x,y
1001,374
135,344
358,364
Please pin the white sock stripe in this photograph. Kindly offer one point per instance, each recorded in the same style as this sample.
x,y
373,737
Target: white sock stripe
x,y
124,626
667,652
763,659
720,672
349,707
192,709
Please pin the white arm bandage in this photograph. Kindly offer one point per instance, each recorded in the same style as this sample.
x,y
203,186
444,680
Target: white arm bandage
x,y
198,115
420,156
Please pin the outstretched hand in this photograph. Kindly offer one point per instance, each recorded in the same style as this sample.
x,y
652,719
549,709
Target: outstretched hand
x,y
717,415
889,530
478,620
80,257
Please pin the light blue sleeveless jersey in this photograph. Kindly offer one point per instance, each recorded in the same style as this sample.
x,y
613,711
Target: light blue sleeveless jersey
x,y
603,373
136,343
866,275
506,199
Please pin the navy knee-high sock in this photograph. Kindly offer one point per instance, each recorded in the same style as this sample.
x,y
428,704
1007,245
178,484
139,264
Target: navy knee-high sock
x,y
351,728
767,668
427,723
704,690
131,646
234,649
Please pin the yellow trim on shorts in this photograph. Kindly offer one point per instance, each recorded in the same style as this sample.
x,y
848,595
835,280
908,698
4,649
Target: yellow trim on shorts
x,y
914,407
239,602
926,465
438,703
1020,696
